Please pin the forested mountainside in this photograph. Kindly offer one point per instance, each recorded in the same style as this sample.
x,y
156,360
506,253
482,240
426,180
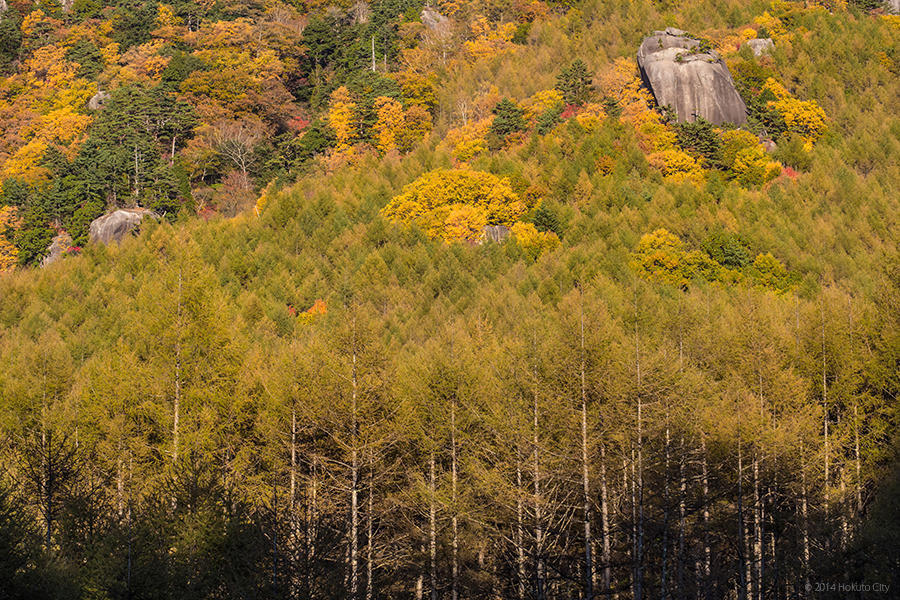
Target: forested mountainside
x,y
435,301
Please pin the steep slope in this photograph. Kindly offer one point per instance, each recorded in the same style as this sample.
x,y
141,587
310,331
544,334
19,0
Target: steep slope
x,y
695,390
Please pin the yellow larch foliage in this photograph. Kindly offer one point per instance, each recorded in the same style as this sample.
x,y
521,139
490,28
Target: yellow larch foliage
x,y
48,67
677,165
416,125
110,53
454,204
489,40
342,119
591,116
168,25
540,102
24,164
774,26
37,24
468,141
747,158
534,242
464,222
84,31
9,254
238,33
61,126
620,82
654,135
770,273
264,197
661,256
390,123
803,117
416,89
145,62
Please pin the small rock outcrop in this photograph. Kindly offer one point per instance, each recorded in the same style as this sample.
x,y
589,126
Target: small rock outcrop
x,y
116,225
761,46
494,233
893,6
3,8
98,100
692,80
62,241
432,19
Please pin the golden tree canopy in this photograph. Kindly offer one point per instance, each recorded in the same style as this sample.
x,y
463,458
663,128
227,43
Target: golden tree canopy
x,y
454,204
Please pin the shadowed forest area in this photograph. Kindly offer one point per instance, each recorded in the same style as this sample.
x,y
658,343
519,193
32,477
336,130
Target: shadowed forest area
x,y
311,376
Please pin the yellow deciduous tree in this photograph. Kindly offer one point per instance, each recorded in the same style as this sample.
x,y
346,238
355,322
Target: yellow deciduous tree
x,y
803,117
591,116
455,204
677,165
342,119
9,254
534,242
468,141
390,123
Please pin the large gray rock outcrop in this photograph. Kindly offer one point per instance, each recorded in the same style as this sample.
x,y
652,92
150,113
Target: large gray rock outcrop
x,y
694,83
116,225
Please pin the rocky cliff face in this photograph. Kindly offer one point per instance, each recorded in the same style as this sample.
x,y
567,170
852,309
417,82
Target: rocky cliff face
x,y
116,225
59,245
693,81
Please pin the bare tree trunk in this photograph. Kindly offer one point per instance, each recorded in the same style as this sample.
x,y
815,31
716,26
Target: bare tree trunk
x,y
804,511
454,595
664,579
176,409
585,473
520,525
604,522
370,530
293,500
354,483
638,478
120,484
825,410
758,557
311,529
432,525
682,492
538,516
743,566
635,585
859,502
707,553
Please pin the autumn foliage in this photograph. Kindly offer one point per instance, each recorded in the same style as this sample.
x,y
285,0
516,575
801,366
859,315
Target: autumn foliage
x,y
455,204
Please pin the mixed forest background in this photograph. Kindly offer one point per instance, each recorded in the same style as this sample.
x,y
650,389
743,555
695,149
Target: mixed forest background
x,y
310,377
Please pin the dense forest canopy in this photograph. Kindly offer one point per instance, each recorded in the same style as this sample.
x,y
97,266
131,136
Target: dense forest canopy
x,y
674,375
